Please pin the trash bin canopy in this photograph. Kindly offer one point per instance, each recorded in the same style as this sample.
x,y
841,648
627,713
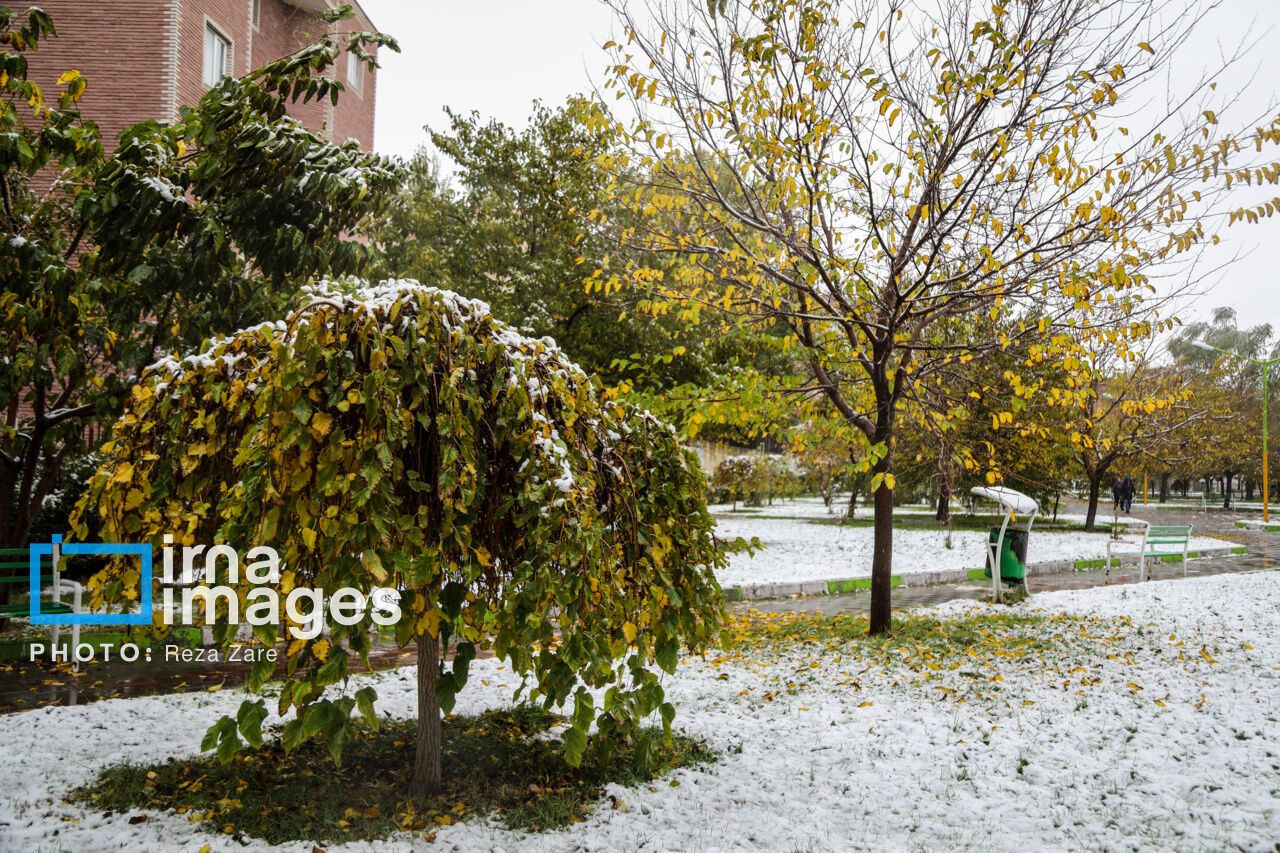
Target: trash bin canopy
x,y
1010,499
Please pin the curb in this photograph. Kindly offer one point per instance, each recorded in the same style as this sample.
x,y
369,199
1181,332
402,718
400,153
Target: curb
x,y
758,592
1257,525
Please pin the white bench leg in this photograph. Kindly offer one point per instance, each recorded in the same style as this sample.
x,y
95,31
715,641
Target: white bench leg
x,y
1142,567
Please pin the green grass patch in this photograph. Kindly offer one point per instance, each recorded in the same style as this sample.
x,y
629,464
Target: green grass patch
x,y
836,587
1091,564
493,763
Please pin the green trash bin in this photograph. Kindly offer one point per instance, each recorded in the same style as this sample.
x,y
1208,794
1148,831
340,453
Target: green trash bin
x,y
1013,555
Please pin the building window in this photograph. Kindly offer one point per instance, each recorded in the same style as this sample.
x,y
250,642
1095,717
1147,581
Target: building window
x,y
255,13
217,56
355,72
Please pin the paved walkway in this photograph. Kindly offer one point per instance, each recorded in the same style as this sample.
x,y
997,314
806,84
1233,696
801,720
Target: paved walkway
x,y
1264,553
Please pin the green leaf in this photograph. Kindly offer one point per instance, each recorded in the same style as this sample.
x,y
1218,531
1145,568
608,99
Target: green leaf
x,y
291,735
250,720
365,697
575,745
667,654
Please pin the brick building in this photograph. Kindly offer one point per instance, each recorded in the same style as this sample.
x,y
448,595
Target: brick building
x,y
145,58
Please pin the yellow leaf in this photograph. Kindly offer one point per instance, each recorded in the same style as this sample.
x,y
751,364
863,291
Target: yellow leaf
x,y
1146,47
373,565
322,423
429,623
124,473
133,499
629,631
321,649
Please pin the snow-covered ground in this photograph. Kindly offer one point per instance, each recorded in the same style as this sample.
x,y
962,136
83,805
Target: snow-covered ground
x,y
800,550
811,507
1152,725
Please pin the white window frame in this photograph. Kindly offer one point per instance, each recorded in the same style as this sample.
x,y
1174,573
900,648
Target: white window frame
x,y
355,73
213,32
255,14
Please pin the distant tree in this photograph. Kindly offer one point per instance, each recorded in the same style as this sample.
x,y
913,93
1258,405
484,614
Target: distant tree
x,y
519,224
1132,408
1228,441
737,476
825,449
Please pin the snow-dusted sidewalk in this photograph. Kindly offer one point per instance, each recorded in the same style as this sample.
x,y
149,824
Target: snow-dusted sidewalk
x,y
1151,724
797,550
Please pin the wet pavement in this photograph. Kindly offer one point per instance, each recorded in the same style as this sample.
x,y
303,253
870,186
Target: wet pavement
x,y
24,686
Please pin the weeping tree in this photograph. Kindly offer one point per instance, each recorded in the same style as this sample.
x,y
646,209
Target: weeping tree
x,y
397,436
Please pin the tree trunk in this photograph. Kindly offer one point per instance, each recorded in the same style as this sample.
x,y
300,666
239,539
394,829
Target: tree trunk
x,y
426,761
882,555
1226,490
853,502
1248,489
944,488
1095,488
882,558
1164,487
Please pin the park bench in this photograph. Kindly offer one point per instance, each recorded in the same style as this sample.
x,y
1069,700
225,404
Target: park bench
x,y
15,572
1158,541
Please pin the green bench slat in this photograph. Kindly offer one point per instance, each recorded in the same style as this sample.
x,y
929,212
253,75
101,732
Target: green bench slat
x,y
45,607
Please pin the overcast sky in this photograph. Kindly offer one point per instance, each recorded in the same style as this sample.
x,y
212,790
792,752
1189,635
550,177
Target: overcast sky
x,y
498,56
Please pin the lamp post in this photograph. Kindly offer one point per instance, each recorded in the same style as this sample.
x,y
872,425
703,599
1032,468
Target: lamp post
x,y
1265,364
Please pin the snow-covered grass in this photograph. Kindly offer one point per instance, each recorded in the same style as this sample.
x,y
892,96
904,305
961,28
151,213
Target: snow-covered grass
x,y
812,507
799,550
1144,719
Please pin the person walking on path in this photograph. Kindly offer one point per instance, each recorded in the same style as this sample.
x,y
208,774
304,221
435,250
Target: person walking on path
x,y
1117,493
1127,491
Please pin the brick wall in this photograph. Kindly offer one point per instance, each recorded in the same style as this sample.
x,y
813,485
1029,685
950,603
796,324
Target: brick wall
x,y
144,58
122,56
229,17
286,28
354,114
